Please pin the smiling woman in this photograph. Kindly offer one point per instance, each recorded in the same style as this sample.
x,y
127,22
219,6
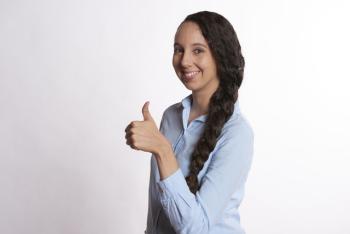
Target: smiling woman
x,y
193,61
203,150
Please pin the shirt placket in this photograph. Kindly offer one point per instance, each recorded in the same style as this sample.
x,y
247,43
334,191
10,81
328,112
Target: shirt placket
x,y
178,142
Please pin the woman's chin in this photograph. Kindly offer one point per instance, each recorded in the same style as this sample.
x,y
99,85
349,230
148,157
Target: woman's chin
x,y
190,87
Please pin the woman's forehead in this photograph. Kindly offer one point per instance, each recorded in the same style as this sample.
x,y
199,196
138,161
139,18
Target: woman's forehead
x,y
189,32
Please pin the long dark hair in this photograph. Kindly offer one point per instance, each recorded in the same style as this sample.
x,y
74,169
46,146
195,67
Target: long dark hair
x,y
225,47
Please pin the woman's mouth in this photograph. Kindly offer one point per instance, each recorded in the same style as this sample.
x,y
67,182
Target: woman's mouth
x,y
188,76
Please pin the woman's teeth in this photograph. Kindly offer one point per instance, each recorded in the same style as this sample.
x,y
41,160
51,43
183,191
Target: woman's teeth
x,y
189,75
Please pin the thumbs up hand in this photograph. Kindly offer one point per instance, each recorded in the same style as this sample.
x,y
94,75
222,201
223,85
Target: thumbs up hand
x,y
144,135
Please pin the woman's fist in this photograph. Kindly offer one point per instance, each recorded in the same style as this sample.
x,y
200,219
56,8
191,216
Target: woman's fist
x,y
144,135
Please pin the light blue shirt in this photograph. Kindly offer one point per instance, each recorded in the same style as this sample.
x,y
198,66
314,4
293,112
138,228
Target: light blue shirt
x,y
172,208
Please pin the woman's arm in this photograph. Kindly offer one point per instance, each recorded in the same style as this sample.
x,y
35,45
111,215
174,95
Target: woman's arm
x,y
166,161
227,171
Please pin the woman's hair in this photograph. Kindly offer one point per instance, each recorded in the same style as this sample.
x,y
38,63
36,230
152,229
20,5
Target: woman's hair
x,y
226,50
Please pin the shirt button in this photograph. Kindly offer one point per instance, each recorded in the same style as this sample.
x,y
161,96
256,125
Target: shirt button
x,y
160,189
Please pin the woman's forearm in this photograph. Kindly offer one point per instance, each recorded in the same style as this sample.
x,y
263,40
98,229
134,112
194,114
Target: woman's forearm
x,y
166,161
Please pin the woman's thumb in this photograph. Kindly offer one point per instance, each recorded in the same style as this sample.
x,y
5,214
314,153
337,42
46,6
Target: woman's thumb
x,y
145,112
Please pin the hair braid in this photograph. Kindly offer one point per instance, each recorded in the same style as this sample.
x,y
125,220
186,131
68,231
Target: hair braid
x,y
226,50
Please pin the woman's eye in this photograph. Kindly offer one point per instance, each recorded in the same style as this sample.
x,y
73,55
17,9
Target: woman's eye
x,y
177,50
197,51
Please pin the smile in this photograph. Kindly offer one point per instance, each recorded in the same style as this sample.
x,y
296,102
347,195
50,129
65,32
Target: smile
x,y
189,75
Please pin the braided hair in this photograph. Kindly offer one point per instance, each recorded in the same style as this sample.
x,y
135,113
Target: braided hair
x,y
226,50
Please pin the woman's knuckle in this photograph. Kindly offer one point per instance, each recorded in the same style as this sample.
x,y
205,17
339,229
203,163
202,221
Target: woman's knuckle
x,y
133,138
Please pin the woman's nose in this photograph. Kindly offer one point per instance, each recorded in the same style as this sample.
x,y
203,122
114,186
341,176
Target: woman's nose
x,y
186,59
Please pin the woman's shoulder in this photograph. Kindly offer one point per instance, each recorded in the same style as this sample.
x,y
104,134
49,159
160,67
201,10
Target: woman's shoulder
x,y
237,125
174,109
171,115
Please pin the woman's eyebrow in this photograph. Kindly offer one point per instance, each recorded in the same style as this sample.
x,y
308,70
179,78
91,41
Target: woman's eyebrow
x,y
199,44
194,44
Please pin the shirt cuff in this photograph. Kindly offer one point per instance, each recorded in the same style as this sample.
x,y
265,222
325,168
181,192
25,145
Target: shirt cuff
x,y
171,185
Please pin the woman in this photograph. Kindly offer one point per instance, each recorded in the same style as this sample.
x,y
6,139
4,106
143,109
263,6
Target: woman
x,y
202,152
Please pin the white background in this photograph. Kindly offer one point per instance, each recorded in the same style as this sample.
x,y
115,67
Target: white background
x,y
74,73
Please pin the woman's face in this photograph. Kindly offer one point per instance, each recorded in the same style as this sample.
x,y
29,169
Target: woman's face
x,y
193,61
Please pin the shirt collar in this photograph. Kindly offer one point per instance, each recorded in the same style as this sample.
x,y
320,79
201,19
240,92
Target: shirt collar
x,y
187,103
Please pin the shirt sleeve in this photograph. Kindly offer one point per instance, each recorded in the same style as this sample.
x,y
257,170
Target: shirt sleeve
x,y
226,173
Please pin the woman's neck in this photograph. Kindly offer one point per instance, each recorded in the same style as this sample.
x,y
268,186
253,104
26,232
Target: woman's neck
x,y
201,98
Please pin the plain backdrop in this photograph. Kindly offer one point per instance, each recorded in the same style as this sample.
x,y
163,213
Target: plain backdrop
x,y
74,74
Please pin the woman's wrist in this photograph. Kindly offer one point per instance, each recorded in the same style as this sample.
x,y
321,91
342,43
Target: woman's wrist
x,y
164,147
166,160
